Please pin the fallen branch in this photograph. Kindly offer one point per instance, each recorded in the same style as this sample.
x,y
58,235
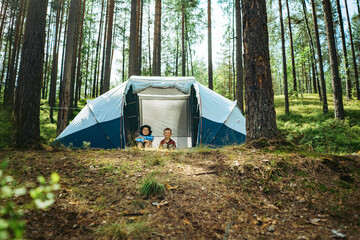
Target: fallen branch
x,y
205,173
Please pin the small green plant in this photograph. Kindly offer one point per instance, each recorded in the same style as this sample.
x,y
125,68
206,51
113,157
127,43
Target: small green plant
x,y
11,223
86,145
151,188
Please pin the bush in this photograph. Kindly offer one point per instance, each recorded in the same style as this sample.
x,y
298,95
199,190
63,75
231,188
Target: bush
x,y
11,223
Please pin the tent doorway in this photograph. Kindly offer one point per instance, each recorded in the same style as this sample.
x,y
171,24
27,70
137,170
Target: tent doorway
x,y
166,108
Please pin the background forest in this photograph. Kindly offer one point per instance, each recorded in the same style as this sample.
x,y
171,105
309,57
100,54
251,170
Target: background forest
x,y
110,40
292,67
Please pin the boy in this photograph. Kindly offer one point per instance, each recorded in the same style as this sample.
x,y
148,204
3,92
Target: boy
x,y
145,138
167,142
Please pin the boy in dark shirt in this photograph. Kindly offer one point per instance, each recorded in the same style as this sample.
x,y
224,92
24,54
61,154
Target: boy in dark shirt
x,y
167,142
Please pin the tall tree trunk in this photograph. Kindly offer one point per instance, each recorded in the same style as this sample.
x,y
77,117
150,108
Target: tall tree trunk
x,y
123,53
345,58
139,48
10,37
309,33
321,68
73,67
336,82
287,111
239,60
177,53
94,91
109,47
259,95
133,43
353,53
47,55
78,72
149,44
69,58
210,69
183,55
4,65
63,51
30,75
54,68
3,21
9,100
188,46
157,40
291,49
104,53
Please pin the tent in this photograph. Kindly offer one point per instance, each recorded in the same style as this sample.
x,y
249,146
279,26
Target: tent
x,y
196,115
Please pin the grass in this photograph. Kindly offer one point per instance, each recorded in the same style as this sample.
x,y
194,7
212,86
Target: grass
x,y
123,230
307,125
151,187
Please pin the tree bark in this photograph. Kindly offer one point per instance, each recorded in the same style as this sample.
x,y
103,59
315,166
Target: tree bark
x,y
183,55
345,58
69,58
47,56
239,60
336,82
104,53
321,68
210,69
9,100
30,76
109,46
133,58
79,57
3,21
94,90
157,40
292,49
54,68
287,111
259,95
353,53
139,48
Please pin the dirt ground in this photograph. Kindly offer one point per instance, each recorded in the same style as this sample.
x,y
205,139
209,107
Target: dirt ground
x,y
230,193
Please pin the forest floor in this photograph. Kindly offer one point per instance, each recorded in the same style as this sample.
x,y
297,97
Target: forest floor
x,y
236,192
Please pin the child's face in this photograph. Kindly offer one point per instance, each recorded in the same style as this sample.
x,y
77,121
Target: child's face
x,y
167,134
145,131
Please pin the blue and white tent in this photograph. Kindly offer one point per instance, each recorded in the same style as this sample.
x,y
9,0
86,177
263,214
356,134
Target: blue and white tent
x,y
196,115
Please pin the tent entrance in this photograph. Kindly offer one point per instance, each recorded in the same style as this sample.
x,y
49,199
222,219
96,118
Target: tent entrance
x,y
162,108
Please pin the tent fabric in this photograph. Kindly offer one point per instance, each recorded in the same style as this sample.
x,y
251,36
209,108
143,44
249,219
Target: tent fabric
x,y
101,121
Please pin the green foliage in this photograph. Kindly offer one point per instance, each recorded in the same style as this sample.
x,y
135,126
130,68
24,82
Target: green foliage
x,y
11,224
6,127
151,187
307,125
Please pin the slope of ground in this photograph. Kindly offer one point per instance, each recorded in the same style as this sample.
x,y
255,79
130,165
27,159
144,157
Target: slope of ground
x,y
230,193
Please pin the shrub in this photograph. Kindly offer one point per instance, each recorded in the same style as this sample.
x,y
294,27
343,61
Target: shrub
x,y
11,223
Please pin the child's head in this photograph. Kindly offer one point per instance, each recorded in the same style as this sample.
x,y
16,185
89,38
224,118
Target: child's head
x,y
167,132
145,130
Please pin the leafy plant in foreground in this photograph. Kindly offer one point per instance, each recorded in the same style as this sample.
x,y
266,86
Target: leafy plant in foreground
x,y
11,223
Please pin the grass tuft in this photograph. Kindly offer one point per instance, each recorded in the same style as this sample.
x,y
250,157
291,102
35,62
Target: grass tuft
x,y
123,231
151,187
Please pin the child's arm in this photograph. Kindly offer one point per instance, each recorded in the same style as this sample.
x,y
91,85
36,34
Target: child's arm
x,y
140,139
150,138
